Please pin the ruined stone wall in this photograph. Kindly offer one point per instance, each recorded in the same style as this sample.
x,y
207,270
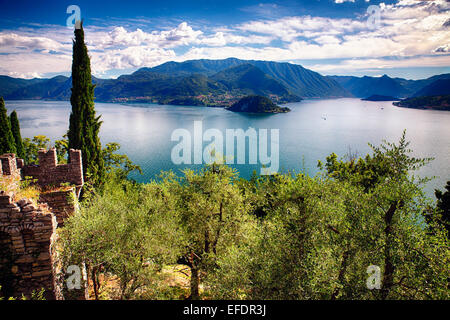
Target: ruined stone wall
x,y
28,259
26,238
51,174
10,165
62,203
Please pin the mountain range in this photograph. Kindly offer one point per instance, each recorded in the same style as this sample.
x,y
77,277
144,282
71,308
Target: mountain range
x,y
224,82
363,87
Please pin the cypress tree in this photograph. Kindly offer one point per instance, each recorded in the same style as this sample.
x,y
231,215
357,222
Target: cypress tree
x,y
84,125
15,129
6,137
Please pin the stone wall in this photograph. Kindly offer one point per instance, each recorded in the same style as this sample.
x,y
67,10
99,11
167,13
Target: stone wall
x,y
10,165
51,174
60,202
27,234
28,259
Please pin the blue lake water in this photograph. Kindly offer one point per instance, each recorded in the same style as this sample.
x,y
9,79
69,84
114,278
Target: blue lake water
x,y
311,131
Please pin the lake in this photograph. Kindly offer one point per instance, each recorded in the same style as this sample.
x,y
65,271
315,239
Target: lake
x,y
311,131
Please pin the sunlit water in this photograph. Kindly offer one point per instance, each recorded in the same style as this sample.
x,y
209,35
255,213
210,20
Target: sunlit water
x,y
311,131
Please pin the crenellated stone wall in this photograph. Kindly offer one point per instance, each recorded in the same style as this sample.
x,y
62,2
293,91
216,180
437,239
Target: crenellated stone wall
x,y
51,174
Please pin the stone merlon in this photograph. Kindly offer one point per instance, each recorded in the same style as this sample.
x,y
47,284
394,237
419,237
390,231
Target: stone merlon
x,y
50,173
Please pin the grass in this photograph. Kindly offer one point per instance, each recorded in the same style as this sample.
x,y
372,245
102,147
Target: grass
x,y
20,189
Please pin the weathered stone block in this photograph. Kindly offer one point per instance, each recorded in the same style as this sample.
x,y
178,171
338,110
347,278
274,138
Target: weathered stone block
x,y
42,273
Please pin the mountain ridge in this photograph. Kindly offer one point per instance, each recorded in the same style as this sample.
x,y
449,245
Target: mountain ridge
x,y
206,82
362,87
299,80
439,87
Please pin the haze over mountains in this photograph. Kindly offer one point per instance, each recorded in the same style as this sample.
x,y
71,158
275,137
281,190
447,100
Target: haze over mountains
x,y
223,82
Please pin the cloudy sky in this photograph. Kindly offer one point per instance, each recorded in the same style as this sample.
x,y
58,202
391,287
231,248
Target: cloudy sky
x,y
406,38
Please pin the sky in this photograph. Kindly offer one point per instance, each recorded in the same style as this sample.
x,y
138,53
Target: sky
x,y
402,38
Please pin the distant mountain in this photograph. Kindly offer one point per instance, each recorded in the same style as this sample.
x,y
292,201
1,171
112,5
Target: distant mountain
x,y
250,79
368,86
257,104
439,87
298,80
8,84
362,87
189,67
54,88
416,85
429,102
376,97
302,82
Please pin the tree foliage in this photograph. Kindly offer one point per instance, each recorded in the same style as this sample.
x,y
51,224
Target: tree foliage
x,y
119,163
318,235
212,211
129,232
15,129
442,216
32,146
7,144
84,125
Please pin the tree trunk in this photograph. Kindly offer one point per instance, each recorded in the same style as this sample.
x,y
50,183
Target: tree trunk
x,y
389,268
94,282
344,262
194,283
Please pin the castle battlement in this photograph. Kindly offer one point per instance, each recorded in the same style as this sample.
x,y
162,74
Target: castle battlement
x,y
50,173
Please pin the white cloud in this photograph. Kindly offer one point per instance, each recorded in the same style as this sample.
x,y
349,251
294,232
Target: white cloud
x,y
222,39
131,57
13,42
29,65
183,34
26,75
327,39
290,28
